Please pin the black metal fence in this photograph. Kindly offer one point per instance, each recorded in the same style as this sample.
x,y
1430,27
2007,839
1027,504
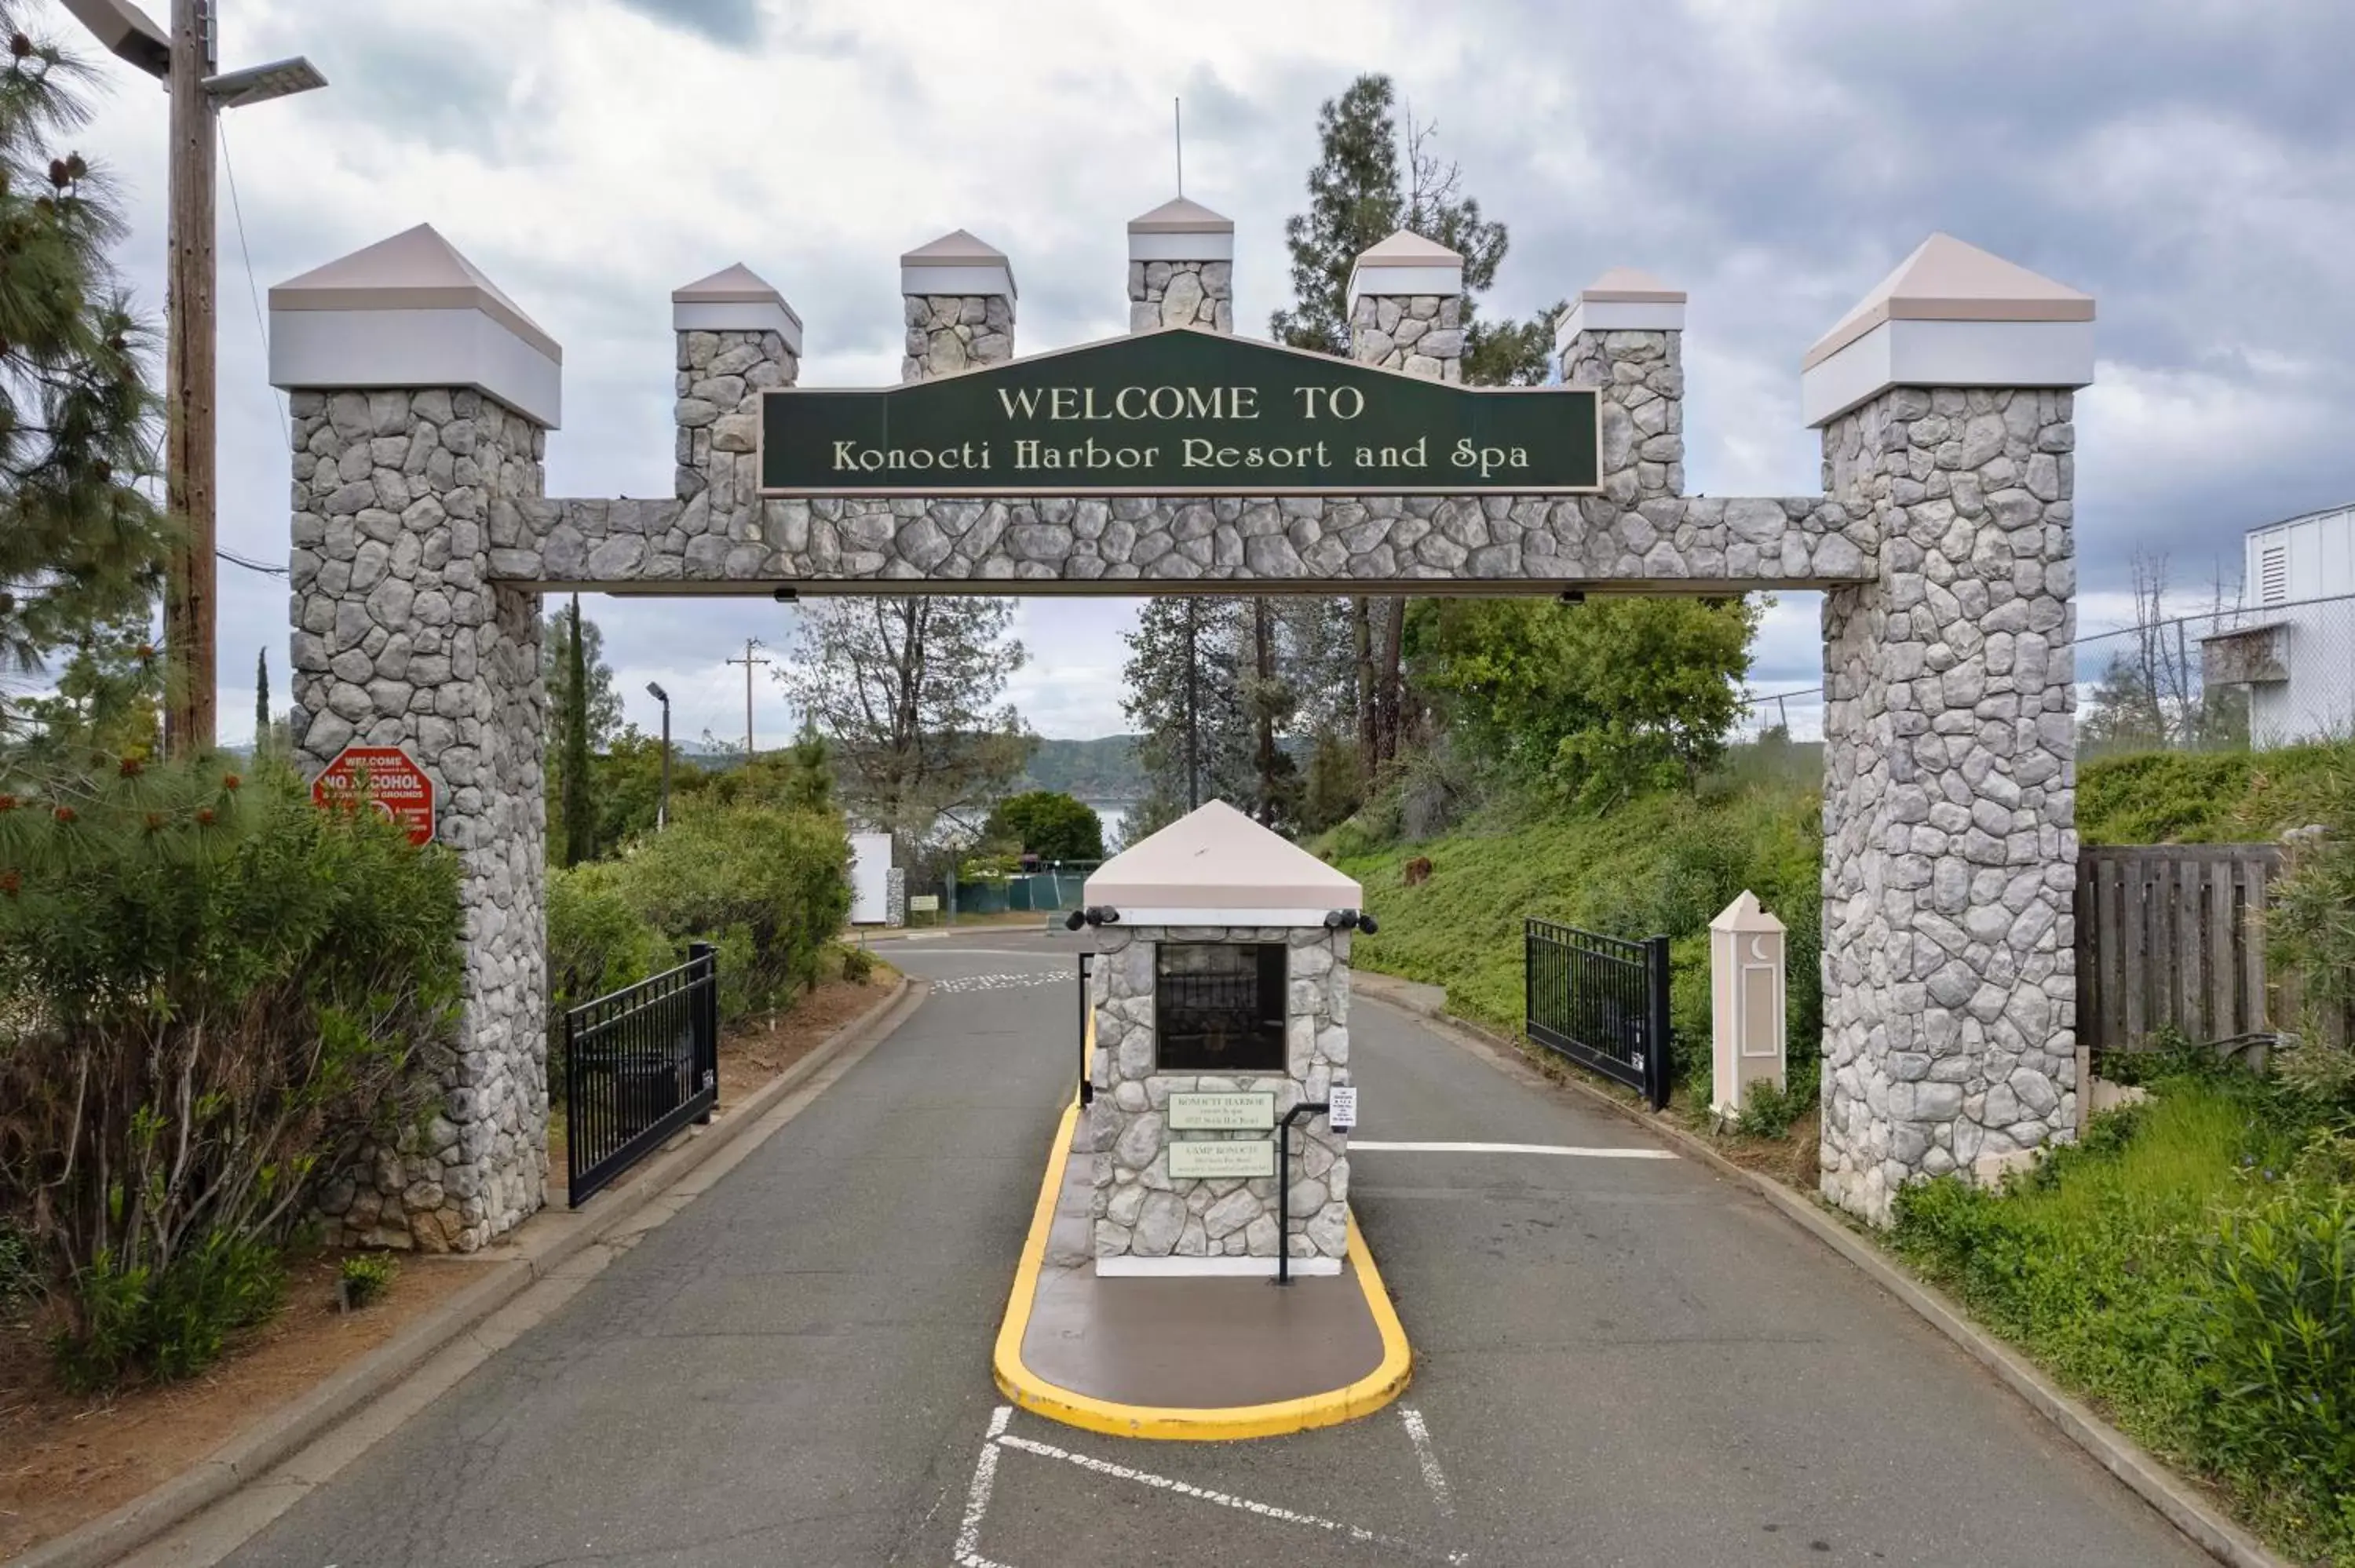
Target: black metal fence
x,y
640,1064
1600,1001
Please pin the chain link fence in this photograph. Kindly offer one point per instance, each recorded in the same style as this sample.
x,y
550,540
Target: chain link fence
x,y
2221,680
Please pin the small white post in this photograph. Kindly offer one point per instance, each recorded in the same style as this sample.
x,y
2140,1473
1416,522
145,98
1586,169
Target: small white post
x,y
1746,995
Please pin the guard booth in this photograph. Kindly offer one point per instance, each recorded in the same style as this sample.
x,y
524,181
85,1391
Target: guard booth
x,y
1220,995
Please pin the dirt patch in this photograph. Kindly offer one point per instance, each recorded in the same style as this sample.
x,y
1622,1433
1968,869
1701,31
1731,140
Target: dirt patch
x,y
755,1050
1793,1159
66,1459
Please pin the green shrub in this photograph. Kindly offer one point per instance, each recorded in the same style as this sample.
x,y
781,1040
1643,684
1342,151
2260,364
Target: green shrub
x,y
20,1266
1769,1111
769,888
366,1277
858,965
172,1319
2181,796
597,942
211,994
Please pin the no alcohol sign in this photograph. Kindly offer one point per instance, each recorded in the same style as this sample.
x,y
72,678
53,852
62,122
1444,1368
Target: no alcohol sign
x,y
385,777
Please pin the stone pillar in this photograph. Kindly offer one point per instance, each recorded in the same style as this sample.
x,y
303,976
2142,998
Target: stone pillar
x,y
959,294
737,338
1945,404
1624,335
1406,307
422,398
1181,269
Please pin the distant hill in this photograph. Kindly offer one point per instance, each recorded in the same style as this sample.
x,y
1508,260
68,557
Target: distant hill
x,y
1100,769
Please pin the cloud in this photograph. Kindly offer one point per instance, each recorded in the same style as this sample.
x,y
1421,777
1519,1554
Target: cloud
x,y
2186,166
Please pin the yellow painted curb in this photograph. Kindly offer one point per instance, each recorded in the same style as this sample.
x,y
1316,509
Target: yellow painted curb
x,y
1034,1393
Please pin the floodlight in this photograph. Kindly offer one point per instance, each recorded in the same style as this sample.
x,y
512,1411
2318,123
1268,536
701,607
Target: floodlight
x,y
126,32
260,84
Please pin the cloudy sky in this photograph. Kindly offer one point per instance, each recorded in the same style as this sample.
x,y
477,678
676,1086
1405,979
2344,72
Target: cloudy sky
x,y
2189,164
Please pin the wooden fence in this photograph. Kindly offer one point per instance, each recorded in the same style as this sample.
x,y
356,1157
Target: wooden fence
x,y
2170,934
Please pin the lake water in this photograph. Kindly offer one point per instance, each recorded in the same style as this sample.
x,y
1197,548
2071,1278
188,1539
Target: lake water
x,y
1114,816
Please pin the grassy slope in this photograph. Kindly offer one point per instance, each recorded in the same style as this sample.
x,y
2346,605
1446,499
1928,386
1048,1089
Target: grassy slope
x,y
1668,864
2193,798
1660,865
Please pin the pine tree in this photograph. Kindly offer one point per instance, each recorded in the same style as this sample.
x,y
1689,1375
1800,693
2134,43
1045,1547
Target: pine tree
x,y
579,824
1186,697
81,545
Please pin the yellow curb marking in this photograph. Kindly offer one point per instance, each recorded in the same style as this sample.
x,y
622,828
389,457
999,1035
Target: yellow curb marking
x,y
1034,1393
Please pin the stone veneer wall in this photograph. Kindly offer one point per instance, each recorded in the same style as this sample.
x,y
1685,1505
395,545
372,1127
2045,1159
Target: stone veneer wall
x,y
402,639
1140,1211
948,333
1181,294
1950,792
1421,334
1741,543
721,375
1641,376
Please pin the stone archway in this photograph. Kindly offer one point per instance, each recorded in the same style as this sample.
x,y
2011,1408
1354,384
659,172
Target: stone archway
x,y
1942,541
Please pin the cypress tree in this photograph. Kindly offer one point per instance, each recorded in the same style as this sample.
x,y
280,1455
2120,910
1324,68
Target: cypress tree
x,y
580,836
263,738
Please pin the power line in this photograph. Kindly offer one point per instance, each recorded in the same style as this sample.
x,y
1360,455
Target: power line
x,y
252,289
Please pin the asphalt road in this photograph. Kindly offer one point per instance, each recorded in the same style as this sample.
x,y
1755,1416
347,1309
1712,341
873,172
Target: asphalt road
x,y
1618,1361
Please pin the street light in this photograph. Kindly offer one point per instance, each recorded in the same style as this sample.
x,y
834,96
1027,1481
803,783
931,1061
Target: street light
x,y
662,805
183,59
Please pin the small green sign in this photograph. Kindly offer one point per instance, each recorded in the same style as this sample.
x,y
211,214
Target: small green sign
x,y
1180,412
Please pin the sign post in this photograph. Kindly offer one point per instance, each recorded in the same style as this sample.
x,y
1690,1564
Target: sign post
x,y
384,777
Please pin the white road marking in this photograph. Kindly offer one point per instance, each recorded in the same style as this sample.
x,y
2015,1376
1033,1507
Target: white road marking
x,y
953,985
977,1499
1203,1494
1425,1456
1358,1145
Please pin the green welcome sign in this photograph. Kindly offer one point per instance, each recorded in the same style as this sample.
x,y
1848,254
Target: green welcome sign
x,y
1180,411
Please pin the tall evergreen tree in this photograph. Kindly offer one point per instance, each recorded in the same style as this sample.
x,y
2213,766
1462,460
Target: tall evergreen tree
x,y
1185,674
80,543
261,727
579,821
601,701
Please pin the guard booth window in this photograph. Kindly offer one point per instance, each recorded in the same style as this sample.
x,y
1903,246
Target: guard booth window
x,y
1219,1006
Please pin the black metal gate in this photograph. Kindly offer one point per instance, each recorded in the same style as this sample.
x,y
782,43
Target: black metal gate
x,y
1600,1001
639,1064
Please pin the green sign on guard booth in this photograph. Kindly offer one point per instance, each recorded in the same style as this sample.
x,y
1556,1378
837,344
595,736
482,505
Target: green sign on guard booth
x,y
1180,411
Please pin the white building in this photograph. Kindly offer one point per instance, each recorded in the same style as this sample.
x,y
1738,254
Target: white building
x,y
2291,644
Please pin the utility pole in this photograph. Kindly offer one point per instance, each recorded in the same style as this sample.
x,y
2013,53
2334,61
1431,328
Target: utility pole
x,y
183,59
747,662
190,579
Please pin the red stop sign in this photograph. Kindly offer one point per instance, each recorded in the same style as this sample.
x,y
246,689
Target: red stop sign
x,y
387,779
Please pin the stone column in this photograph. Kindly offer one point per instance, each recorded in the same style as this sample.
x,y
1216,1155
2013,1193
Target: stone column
x,y
1181,269
422,398
1624,335
737,338
959,292
1950,833
1406,307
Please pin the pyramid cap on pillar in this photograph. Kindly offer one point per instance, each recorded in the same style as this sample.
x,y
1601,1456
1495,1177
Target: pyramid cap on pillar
x,y
411,312
1951,315
1181,230
735,298
1214,866
1745,913
957,263
1406,263
1622,300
